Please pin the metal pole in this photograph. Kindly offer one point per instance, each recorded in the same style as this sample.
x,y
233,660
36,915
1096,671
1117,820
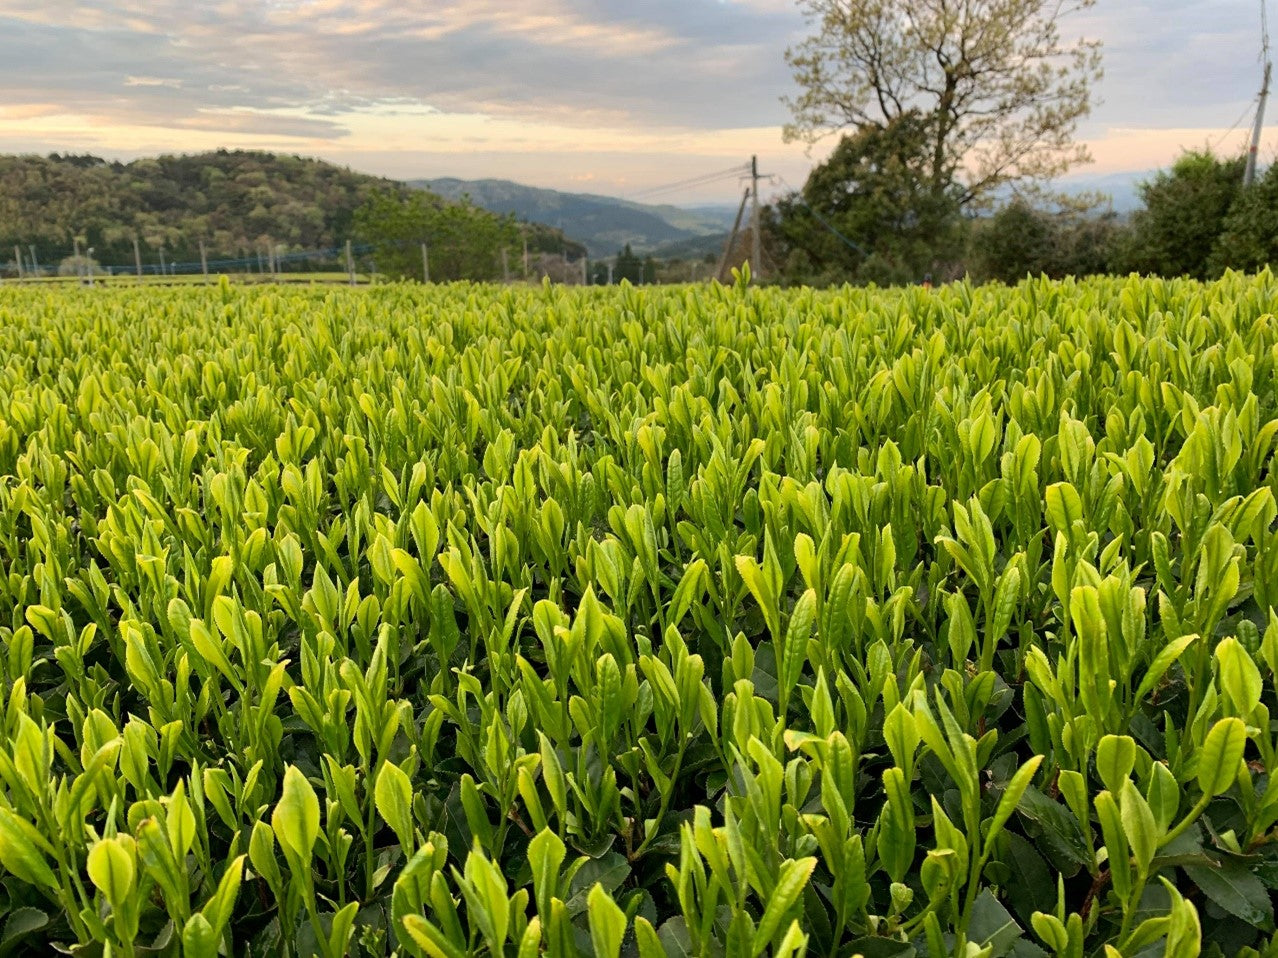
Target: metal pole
x,y
1249,175
350,262
17,255
756,243
425,264
721,272
137,257
35,263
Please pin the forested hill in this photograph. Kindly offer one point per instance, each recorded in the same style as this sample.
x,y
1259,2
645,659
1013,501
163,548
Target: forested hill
x,y
603,223
237,202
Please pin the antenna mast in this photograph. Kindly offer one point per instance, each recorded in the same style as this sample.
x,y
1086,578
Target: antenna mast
x,y
1249,174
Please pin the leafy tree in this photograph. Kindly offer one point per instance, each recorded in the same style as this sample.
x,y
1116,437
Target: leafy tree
x,y
869,212
463,241
1020,240
628,266
1249,236
1183,216
1000,92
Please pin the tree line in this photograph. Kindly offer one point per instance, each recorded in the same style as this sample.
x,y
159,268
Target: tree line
x,y
240,203
953,120
862,218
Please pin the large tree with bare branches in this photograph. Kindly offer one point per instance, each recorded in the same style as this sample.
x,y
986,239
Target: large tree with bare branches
x,y
1002,91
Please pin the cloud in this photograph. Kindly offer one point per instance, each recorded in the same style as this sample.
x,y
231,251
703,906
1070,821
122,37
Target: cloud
x,y
263,123
693,63
1175,63
152,81
560,89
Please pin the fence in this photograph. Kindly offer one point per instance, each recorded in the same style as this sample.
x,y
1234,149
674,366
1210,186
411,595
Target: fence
x,y
26,265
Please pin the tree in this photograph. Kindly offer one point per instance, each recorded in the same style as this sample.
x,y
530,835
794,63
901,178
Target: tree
x,y
463,241
869,212
628,266
1000,91
1183,216
1249,233
1020,240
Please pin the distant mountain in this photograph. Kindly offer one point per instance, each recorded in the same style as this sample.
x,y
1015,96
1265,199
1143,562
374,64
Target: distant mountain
x,y
1123,189
603,223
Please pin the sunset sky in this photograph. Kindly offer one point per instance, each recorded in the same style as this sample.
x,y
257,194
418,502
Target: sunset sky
x,y
606,96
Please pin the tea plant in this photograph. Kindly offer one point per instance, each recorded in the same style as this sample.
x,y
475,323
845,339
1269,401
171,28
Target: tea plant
x,y
689,621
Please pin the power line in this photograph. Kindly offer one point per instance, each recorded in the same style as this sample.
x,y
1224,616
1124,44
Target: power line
x,y
1213,144
742,169
820,219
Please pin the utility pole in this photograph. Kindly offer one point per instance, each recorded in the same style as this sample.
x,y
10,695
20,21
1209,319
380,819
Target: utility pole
x,y
350,262
1249,174
425,264
720,273
756,243
204,261
137,257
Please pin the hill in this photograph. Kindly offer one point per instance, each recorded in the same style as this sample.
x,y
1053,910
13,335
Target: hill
x,y
603,223
1122,189
237,202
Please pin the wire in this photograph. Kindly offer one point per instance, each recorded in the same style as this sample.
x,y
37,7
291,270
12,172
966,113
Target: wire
x,y
649,195
731,173
820,219
1213,144
178,267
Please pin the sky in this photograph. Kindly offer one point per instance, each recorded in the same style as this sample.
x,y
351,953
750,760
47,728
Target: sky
x,y
618,97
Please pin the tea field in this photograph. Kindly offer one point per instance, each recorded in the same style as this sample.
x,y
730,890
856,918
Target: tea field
x,y
714,621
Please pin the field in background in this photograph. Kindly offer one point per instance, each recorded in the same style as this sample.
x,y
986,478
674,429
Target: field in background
x,y
701,620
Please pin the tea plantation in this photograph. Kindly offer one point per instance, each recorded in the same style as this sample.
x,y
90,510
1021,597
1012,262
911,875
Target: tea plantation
x,y
715,621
